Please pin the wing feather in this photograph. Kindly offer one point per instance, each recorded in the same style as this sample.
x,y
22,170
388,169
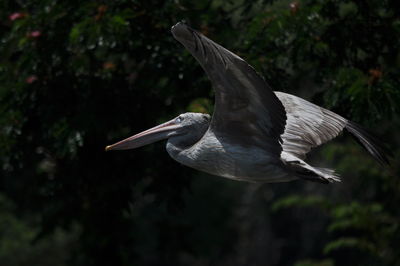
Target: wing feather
x,y
307,125
246,112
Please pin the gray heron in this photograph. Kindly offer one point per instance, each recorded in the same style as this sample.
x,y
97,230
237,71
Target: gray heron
x,y
254,134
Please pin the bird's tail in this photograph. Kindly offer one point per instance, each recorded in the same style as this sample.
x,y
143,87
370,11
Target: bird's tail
x,y
315,174
374,146
303,170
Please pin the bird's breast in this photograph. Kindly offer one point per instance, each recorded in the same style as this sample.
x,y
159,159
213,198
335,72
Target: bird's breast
x,y
213,155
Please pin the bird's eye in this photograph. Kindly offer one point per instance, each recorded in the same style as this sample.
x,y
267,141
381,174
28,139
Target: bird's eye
x,y
179,119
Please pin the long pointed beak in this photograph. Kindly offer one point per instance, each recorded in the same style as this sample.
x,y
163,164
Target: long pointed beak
x,y
151,135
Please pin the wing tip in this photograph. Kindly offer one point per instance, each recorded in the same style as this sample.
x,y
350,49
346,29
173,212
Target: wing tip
x,y
181,31
373,145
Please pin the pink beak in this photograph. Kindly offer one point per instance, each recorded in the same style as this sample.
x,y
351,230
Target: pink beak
x,y
151,135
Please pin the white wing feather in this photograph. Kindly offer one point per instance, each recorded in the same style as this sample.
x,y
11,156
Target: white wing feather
x,y
307,125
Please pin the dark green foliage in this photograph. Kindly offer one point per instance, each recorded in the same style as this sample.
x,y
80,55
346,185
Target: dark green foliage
x,y
78,75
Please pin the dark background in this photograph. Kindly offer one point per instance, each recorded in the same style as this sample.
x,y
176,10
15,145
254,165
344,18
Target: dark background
x,y
76,76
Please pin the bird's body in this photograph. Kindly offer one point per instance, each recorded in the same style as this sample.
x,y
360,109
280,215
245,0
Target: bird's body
x,y
255,134
215,155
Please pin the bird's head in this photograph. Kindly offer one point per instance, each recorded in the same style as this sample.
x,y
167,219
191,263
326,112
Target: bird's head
x,y
194,124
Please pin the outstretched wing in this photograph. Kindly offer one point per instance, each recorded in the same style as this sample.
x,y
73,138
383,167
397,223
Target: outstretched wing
x,y
246,112
307,125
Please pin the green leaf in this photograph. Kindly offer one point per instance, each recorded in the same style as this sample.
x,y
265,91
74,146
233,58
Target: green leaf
x,y
326,262
349,242
299,201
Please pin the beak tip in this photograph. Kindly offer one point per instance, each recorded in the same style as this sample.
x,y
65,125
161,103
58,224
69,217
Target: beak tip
x,y
108,148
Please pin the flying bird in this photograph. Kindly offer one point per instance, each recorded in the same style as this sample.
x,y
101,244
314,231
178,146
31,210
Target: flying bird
x,y
254,134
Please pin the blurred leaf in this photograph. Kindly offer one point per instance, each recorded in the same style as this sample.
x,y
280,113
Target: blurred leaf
x,y
300,201
348,242
201,105
327,262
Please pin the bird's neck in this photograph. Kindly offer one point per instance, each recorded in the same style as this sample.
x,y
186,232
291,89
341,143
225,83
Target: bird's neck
x,y
177,144
182,150
173,150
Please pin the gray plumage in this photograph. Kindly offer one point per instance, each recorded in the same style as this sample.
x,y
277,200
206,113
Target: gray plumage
x,y
255,134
